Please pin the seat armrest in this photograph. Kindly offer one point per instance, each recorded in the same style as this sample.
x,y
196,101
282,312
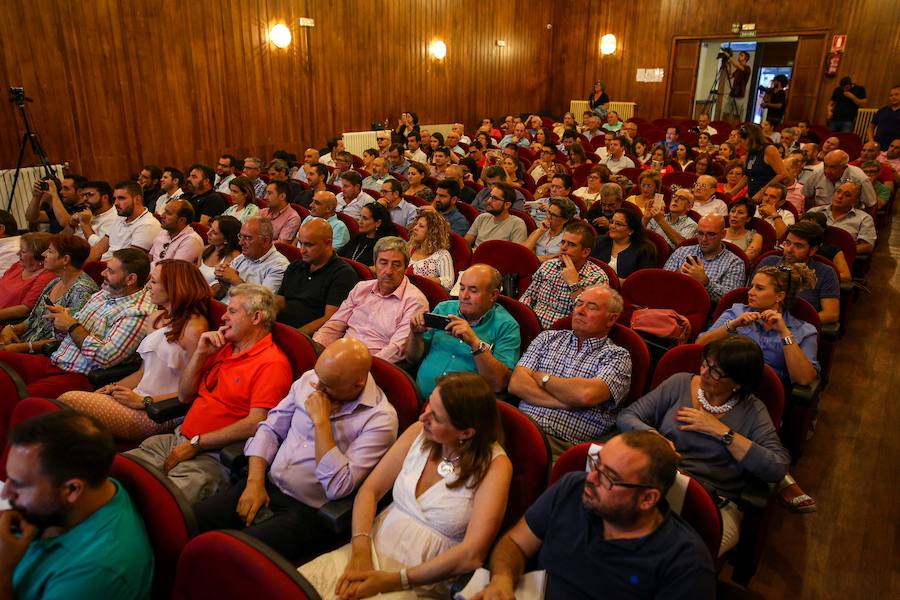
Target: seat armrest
x,y
806,395
101,377
831,331
232,456
166,410
336,516
755,495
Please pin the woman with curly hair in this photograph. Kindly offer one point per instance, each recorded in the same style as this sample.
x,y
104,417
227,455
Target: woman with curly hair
x,y
429,243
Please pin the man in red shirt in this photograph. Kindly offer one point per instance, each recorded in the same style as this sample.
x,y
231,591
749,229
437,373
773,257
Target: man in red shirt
x,y
234,377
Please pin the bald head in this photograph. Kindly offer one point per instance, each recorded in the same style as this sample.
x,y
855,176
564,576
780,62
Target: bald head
x,y
316,230
712,221
343,369
323,204
870,151
836,163
830,144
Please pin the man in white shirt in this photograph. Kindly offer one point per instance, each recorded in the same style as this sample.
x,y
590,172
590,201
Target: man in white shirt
x,y
224,173
705,201
616,159
352,199
413,151
134,227
310,157
9,241
773,211
171,181
94,221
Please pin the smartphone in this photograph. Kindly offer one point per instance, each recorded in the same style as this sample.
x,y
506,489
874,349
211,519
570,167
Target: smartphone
x,y
263,514
659,202
48,301
436,321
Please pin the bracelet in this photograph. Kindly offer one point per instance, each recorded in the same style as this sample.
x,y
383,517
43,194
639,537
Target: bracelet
x,y
404,580
356,535
729,328
30,348
73,327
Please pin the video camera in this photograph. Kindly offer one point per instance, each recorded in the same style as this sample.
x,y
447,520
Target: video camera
x,y
17,95
725,53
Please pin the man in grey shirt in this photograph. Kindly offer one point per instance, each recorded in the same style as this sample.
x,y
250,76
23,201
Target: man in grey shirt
x,y
497,223
822,183
260,262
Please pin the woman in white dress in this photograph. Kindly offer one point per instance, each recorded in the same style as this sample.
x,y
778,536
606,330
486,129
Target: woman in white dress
x,y
429,240
450,480
242,196
224,246
182,296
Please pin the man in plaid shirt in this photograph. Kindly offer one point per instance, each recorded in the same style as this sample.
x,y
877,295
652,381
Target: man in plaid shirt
x,y
708,261
105,332
571,382
559,281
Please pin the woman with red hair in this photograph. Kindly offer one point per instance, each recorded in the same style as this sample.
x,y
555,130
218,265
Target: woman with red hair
x,y
182,297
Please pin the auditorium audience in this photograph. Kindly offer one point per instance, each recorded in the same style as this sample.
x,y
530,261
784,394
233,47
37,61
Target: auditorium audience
x,y
207,202
517,136
740,215
284,219
401,212
649,184
377,312
616,160
316,176
429,248
235,375
374,223
378,174
578,156
243,198
317,445
832,252
480,337
224,173
590,193
497,223
351,200
708,261
721,431
279,170
310,157
490,177
572,381
823,184
608,529
706,202
763,165
9,241
674,226
602,211
182,296
424,539
545,240
625,247
683,157
223,247
398,162
171,183
23,282
252,169
772,210
103,333
71,288
259,262
841,212
149,180
343,162
323,207
441,158
134,227
88,541
735,185
177,238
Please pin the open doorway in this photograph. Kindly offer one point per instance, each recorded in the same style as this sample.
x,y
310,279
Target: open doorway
x,y
734,74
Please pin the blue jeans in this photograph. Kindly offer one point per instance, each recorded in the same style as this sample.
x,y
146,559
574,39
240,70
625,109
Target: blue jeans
x,y
840,126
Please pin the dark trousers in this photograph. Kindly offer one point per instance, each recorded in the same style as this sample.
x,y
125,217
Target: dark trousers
x,y
293,532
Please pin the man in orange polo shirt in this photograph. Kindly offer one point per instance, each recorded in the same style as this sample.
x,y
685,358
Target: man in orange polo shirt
x,y
234,377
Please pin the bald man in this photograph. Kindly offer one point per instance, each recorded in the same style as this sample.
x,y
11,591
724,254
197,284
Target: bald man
x,y
314,287
842,213
480,337
324,205
708,261
310,157
821,185
705,200
316,446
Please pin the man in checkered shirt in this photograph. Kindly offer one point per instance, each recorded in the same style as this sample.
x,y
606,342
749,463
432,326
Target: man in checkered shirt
x,y
573,381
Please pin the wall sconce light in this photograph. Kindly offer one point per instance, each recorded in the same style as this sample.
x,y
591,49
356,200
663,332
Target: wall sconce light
x,y
608,44
280,36
438,50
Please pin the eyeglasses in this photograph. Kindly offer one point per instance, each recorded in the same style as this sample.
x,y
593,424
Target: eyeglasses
x,y
700,186
715,373
245,238
707,234
165,247
608,482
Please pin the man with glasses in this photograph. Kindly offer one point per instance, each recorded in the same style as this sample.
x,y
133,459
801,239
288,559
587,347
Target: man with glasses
x,y
559,282
177,240
259,263
708,261
547,164
252,169
379,174
822,185
871,152
497,223
402,212
705,200
676,226
616,160
630,132
234,377
571,382
609,529
343,162
93,223
224,173
383,140
492,176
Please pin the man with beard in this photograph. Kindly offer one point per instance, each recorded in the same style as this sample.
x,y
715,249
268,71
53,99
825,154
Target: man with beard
x,y
446,195
56,204
81,536
609,529
497,223
135,227
94,221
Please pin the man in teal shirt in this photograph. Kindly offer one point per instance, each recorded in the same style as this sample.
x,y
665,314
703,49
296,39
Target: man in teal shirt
x,y
72,531
482,337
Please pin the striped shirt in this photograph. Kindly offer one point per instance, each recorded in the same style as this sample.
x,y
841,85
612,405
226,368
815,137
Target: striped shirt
x,y
115,326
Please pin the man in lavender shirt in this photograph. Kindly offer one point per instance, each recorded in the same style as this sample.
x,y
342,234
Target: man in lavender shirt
x,y
377,312
318,445
177,238
285,220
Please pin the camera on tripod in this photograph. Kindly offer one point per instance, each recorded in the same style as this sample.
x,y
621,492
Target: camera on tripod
x,y
17,95
725,53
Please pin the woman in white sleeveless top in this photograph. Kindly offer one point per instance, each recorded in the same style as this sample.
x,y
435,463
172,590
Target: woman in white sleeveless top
x,y
450,481
224,246
182,295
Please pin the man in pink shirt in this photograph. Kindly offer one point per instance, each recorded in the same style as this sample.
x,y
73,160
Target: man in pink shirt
x,y
177,238
377,312
285,220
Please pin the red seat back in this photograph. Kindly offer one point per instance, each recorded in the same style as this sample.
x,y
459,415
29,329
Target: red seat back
x,y
530,225
529,325
292,253
468,211
297,347
680,178
460,251
529,452
631,174
658,288
433,291
202,230
362,271
766,231
350,222
95,269
610,272
508,257
662,247
842,239
400,390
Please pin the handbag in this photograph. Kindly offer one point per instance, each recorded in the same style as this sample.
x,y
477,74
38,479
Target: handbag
x,y
662,323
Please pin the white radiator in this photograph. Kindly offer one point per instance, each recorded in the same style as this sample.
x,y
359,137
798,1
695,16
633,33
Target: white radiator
x,y
625,109
577,108
27,176
357,141
863,118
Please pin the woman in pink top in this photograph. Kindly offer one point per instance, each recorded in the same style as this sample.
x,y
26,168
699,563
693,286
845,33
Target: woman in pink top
x,y
22,284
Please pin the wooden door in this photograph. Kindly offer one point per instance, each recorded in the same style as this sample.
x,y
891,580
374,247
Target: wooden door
x,y
806,78
682,79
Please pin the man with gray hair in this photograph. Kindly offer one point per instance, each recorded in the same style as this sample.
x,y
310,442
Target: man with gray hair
x,y
260,262
837,170
571,382
378,312
843,213
705,200
234,377
252,168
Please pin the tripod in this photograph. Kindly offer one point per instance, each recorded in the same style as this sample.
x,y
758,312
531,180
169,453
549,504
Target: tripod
x,y
17,96
714,90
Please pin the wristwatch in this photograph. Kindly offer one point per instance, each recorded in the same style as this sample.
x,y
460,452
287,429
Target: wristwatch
x,y
148,400
545,379
728,437
195,441
482,347
787,340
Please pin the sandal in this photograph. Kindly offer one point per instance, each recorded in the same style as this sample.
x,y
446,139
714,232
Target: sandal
x,y
797,501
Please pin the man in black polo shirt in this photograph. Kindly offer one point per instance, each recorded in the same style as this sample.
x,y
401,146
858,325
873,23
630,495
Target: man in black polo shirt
x,y
609,530
313,288
207,202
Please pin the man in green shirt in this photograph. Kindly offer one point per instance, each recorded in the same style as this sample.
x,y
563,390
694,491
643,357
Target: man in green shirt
x,y
72,532
481,337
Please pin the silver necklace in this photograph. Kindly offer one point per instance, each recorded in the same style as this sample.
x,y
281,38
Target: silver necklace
x,y
716,410
447,467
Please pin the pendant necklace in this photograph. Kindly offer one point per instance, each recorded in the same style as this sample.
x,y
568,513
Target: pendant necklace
x,y
447,466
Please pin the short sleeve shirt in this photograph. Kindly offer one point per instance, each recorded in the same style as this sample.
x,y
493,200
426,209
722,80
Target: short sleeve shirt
x,y
140,233
307,293
511,229
211,204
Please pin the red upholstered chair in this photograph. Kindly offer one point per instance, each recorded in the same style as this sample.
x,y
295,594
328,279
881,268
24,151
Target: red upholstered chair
x,y
300,210
298,348
415,200
468,211
766,231
229,565
460,251
292,253
529,325
530,225
202,230
662,247
400,390
166,512
631,174
401,231
658,288
433,291
362,271
580,205
474,185
697,508
529,452
350,222
229,200
580,174
679,178
508,257
22,410
610,272
95,270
